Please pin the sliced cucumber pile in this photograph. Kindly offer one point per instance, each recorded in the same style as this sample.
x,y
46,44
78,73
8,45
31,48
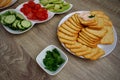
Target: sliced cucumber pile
x,y
55,5
14,20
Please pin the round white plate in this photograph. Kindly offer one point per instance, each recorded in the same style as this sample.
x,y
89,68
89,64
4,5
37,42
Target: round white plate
x,y
15,31
107,48
13,1
50,14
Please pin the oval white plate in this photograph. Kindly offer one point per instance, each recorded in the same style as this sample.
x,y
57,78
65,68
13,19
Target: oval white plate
x,y
50,14
15,31
13,1
107,48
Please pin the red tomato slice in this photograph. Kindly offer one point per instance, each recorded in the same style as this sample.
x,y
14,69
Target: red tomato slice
x,y
37,6
31,4
25,5
31,16
34,11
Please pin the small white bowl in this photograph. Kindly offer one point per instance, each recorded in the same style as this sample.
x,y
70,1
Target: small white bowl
x,y
42,55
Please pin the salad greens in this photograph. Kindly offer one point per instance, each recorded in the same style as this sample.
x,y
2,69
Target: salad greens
x,y
53,60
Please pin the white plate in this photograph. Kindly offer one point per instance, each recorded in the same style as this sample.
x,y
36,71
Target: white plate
x,y
42,55
15,31
13,1
50,14
107,48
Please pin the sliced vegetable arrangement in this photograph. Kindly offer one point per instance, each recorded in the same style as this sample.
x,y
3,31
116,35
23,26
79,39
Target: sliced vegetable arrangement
x,y
14,20
34,11
55,5
53,60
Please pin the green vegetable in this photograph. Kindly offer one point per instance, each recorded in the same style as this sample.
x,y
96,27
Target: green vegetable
x,y
53,60
55,5
14,20
91,16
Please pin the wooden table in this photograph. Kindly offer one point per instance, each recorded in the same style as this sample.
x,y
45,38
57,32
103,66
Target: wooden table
x,y
18,52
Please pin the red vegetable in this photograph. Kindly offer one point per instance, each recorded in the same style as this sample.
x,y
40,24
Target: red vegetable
x,y
34,11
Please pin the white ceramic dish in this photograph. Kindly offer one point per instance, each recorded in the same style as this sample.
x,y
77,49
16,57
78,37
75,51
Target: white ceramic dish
x,y
50,14
13,1
42,55
107,48
15,31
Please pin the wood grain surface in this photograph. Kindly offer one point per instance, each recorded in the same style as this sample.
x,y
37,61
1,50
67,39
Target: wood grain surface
x,y
18,52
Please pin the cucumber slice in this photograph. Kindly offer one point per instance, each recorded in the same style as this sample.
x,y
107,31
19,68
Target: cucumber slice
x,y
26,23
11,12
20,27
44,2
19,16
2,19
6,13
9,19
62,9
49,6
15,24
57,6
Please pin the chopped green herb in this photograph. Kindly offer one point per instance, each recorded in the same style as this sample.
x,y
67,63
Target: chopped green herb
x,y
91,16
53,60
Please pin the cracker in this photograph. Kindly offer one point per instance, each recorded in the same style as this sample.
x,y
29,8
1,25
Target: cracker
x,y
88,51
67,37
109,36
86,43
98,55
72,26
88,22
83,48
68,28
74,19
88,39
99,25
73,22
66,41
99,33
107,23
65,31
102,16
74,46
77,18
93,52
90,35
99,14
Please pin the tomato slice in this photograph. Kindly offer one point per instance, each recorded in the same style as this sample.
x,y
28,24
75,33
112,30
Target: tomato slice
x,y
31,4
37,6
34,11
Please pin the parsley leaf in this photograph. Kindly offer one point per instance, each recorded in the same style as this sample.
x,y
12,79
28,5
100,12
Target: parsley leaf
x,y
91,16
